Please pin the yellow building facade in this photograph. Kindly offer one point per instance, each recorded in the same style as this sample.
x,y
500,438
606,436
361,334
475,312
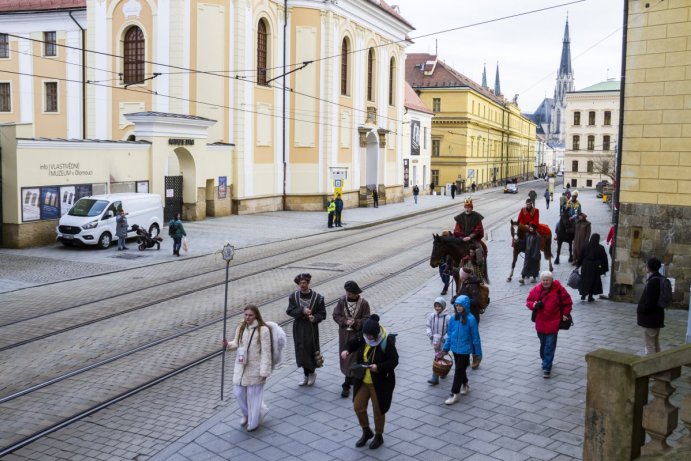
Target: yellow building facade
x,y
477,136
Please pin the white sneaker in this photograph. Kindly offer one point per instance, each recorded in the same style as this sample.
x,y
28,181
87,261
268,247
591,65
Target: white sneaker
x,y
311,379
451,400
465,388
303,382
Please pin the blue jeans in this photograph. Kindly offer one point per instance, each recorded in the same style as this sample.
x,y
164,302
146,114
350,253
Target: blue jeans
x,y
177,243
548,346
121,242
415,198
445,277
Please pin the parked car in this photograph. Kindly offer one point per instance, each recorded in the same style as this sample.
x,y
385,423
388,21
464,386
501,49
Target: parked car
x,y
511,188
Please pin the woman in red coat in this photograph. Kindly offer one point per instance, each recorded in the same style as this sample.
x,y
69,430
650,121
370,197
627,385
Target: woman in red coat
x,y
551,302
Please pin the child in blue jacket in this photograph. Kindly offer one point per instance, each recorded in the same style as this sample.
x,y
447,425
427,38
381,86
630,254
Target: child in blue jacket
x,y
462,339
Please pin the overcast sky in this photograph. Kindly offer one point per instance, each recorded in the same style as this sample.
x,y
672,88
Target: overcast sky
x,y
528,48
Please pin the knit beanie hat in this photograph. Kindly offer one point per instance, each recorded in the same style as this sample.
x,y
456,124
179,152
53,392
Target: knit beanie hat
x,y
371,326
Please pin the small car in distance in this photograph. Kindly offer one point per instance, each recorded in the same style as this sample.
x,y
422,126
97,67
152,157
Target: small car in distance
x,y
511,188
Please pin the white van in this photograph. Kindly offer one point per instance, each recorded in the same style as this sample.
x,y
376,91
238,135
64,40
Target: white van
x,y
91,220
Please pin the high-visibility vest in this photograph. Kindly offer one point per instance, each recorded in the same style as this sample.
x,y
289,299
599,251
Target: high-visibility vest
x,y
331,208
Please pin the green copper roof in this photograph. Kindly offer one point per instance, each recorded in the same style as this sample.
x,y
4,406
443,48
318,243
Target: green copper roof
x,y
609,85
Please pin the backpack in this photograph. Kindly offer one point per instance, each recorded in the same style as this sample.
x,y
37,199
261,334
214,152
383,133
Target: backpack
x,y
665,298
278,343
172,229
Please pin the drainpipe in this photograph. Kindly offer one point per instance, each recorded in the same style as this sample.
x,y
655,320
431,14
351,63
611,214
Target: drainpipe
x,y
285,45
620,135
83,75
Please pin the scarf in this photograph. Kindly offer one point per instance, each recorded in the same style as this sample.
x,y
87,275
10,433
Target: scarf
x,y
380,338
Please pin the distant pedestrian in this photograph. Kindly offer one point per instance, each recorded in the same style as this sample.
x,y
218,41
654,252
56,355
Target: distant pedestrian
x,y
416,192
473,186
594,264
462,338
375,198
470,287
552,303
548,196
581,236
445,274
431,188
533,196
307,308
252,341
531,263
610,241
350,313
650,315
453,188
330,211
339,210
437,326
121,229
375,352
176,231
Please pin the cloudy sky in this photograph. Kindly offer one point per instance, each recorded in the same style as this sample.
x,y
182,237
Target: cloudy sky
x,y
528,48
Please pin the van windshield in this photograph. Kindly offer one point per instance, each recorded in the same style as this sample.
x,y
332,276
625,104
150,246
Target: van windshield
x,y
88,207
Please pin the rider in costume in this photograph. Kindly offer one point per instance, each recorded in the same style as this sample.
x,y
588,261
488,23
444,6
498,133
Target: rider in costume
x,y
573,206
469,229
529,214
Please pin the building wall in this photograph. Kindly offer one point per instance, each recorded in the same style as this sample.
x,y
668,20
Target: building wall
x,y
584,103
655,209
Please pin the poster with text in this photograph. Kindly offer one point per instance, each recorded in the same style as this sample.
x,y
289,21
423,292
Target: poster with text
x,y
50,203
414,137
67,198
222,186
30,199
82,191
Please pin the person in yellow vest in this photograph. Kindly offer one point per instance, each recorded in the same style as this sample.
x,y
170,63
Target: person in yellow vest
x,y
331,210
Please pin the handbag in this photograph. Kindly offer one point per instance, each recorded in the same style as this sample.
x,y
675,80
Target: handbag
x,y
564,324
574,279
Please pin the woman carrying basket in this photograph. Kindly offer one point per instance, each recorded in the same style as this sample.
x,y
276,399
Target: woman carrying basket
x,y
462,339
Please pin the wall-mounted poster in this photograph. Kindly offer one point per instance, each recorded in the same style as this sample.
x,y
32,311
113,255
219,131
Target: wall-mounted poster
x,y
31,211
82,191
142,187
414,137
67,198
222,186
50,203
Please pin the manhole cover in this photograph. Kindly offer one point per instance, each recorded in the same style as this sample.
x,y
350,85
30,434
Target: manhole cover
x,y
128,256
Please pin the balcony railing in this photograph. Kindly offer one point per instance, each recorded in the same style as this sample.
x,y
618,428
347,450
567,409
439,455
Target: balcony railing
x,y
620,423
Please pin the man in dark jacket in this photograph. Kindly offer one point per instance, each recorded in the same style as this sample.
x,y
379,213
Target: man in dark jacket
x,y
650,316
339,210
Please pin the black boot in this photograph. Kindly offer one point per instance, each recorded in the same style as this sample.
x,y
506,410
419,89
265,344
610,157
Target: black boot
x,y
366,435
377,442
346,391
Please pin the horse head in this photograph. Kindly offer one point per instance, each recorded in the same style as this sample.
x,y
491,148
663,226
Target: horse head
x,y
438,250
518,231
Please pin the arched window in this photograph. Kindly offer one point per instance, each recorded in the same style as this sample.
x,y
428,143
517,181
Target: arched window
x,y
345,58
134,56
262,52
370,75
392,81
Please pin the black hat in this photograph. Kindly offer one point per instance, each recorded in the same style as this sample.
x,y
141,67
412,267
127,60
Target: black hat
x,y
371,326
352,287
303,276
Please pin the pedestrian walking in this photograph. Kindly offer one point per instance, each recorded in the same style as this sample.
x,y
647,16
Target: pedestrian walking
x,y
594,264
473,186
610,241
307,308
531,263
176,231
252,341
431,188
650,315
437,327
121,229
350,313
550,303
547,198
453,188
581,236
416,192
470,287
374,378
375,198
339,210
445,274
462,338
331,211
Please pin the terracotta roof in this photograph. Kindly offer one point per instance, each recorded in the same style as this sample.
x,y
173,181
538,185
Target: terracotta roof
x,y
424,70
413,101
385,6
7,6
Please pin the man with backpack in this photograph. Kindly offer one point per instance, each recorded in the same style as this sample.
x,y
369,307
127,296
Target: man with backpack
x,y
473,288
657,295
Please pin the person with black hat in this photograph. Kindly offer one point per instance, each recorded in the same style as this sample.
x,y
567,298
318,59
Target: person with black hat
x,y
350,313
308,309
374,379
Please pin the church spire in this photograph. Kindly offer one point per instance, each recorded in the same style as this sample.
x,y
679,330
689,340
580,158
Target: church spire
x,y
497,87
484,76
565,65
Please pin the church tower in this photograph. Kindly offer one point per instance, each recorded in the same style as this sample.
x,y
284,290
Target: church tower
x,y
563,86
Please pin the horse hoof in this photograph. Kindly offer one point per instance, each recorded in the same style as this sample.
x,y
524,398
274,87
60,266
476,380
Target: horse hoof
x,y
556,262
508,279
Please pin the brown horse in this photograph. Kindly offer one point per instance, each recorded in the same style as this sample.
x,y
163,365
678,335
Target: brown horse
x,y
449,247
518,234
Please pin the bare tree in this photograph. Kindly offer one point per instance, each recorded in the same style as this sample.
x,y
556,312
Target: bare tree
x,y
603,163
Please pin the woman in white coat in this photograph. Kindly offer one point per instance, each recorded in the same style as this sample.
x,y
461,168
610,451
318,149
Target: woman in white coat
x,y
252,342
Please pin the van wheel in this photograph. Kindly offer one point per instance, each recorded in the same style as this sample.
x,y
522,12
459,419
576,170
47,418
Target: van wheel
x,y
154,230
105,240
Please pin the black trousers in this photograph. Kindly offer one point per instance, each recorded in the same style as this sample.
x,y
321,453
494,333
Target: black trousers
x,y
331,220
337,218
461,362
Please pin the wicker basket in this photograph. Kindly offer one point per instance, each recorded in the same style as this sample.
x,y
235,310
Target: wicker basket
x,y
442,366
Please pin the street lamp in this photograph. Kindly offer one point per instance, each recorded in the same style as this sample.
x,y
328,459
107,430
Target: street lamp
x,y
228,252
